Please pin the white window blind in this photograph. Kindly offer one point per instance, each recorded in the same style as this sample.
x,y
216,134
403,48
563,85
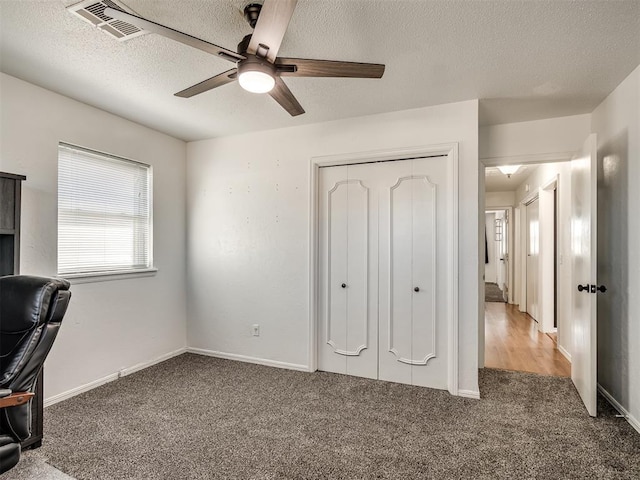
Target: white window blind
x,y
104,213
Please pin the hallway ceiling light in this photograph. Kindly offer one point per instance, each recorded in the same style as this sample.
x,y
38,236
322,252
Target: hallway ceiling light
x,y
509,170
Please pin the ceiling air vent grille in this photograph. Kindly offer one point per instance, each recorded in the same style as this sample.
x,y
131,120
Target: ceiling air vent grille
x,y
92,11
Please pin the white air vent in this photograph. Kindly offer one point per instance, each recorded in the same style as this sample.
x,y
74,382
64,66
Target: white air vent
x,y
92,11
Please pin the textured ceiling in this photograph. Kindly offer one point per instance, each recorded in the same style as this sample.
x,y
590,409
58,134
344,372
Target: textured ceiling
x,y
525,60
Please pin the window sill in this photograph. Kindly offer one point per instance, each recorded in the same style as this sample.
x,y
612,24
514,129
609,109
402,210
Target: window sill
x,y
75,278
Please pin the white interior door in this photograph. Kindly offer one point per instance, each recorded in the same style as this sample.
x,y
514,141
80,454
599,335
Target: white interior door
x,y
500,238
414,278
506,255
384,282
348,283
584,272
521,255
533,251
490,270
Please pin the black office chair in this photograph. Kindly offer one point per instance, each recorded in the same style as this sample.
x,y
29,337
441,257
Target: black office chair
x,y
31,310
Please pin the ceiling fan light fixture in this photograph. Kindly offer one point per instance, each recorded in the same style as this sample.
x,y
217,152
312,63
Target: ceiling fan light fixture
x,y
509,170
256,82
256,76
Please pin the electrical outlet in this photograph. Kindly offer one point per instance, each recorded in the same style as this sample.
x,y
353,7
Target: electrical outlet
x,y
255,330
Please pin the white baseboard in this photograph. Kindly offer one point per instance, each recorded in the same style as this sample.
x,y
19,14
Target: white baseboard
x,y
81,389
623,411
110,378
141,366
247,359
469,394
564,352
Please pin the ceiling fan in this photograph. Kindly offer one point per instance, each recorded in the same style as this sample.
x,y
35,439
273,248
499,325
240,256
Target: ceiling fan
x,y
258,68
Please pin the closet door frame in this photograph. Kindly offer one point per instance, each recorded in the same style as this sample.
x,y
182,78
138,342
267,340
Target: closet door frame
x,y
449,150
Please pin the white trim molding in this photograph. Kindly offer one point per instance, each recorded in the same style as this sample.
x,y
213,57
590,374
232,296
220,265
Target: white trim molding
x,y
244,358
80,389
110,378
564,352
449,150
141,366
623,411
76,278
475,394
525,159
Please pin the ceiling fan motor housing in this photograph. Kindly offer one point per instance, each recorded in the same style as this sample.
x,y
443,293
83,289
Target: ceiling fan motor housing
x,y
244,44
256,64
251,13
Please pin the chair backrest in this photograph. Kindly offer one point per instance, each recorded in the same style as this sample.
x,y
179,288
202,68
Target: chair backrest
x,y
31,310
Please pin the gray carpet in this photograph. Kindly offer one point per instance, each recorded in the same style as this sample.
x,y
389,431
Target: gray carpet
x,y
492,293
195,417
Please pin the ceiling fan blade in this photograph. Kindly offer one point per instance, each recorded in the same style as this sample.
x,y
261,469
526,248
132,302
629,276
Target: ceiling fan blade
x,y
209,84
305,67
285,98
174,35
272,24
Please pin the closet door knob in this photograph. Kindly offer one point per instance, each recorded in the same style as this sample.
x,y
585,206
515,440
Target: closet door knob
x,y
417,289
344,285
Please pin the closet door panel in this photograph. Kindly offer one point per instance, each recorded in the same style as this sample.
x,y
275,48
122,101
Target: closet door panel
x,y
362,285
347,334
357,281
414,248
337,220
395,279
400,321
431,272
423,256
332,265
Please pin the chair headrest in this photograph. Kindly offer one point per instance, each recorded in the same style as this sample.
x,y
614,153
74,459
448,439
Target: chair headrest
x,y
25,301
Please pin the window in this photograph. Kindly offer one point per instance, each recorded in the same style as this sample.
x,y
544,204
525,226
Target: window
x,y
104,213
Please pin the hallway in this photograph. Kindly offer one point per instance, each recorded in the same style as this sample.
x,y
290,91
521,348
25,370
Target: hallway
x,y
513,342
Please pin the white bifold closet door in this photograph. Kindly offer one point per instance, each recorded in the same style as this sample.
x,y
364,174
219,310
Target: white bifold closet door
x,y
349,270
384,282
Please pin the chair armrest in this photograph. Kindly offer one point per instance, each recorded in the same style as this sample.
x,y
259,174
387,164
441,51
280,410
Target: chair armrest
x,y
15,399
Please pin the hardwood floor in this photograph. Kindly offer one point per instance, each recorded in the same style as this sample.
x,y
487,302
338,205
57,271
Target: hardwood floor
x,y
513,342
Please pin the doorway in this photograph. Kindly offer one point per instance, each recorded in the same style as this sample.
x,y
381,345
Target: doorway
x,y
523,333
498,272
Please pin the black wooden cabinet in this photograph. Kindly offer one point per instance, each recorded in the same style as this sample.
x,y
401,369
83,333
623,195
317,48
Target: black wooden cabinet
x,y
10,201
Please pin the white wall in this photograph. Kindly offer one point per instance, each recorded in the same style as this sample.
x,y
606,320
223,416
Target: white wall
x,y
616,121
538,137
499,199
109,325
249,220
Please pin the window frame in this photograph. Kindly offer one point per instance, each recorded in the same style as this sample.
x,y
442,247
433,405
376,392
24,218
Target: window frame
x,y
122,273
